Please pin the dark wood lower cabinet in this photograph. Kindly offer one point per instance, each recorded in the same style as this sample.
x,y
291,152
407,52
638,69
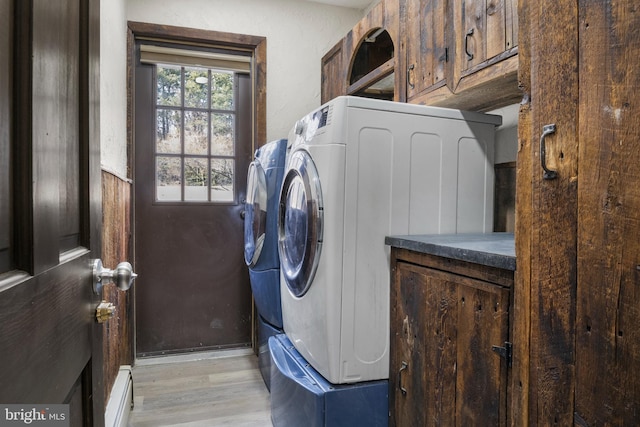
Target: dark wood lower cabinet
x,y
446,318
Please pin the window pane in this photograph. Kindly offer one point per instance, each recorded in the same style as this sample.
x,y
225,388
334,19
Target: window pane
x,y
196,87
196,132
195,122
169,85
168,178
222,134
222,180
168,131
195,179
221,90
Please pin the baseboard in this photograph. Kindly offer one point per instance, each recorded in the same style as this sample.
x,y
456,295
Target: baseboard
x,y
120,400
192,356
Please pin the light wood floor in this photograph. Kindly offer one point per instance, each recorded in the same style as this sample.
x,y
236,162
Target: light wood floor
x,y
223,389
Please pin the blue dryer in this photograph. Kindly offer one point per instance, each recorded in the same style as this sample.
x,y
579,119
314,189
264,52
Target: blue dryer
x,y
261,243
300,396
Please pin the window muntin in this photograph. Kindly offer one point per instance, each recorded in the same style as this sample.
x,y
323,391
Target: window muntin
x,y
195,135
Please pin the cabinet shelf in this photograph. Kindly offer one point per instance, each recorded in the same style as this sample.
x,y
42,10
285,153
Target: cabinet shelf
x,y
379,82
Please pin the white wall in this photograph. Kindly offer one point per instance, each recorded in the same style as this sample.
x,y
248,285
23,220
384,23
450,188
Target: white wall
x,y
298,34
113,86
506,149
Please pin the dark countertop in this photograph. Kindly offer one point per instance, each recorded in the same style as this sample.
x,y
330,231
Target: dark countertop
x,y
491,249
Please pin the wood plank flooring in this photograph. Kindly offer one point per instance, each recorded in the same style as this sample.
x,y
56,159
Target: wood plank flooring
x,y
222,389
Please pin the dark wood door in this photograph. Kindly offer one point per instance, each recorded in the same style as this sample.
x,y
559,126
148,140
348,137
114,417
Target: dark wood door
x,y
193,130
427,45
487,33
443,371
50,343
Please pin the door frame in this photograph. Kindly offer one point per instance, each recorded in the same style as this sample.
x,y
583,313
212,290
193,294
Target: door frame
x,y
255,45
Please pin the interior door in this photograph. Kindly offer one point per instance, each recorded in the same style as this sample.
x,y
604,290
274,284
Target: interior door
x,y
193,132
50,343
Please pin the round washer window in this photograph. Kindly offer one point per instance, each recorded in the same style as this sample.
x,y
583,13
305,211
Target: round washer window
x,y
300,223
255,220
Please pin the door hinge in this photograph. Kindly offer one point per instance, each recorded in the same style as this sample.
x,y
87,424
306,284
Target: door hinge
x,y
505,352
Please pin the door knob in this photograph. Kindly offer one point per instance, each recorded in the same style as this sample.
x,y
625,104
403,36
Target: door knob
x,y
122,276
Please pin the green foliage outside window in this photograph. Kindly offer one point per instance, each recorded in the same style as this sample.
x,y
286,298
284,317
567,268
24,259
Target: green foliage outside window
x,y
195,118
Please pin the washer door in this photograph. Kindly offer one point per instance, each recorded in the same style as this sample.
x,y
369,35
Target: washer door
x,y
300,223
255,217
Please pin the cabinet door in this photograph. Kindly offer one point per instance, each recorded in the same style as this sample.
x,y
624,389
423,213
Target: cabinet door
x,y
442,369
333,74
426,45
486,34
422,379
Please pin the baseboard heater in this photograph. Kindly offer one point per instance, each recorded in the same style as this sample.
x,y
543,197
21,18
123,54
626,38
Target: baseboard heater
x,y
121,399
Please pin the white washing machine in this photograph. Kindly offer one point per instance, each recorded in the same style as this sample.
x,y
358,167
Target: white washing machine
x,y
361,169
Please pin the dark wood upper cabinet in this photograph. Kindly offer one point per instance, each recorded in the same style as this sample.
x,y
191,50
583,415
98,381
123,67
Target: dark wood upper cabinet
x,y
427,46
364,62
374,50
372,68
461,54
333,73
486,33
448,53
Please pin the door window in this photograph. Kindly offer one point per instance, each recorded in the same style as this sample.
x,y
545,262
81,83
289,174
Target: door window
x,y
195,140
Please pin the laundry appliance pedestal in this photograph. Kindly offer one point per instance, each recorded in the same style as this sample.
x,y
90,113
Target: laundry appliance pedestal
x,y
300,396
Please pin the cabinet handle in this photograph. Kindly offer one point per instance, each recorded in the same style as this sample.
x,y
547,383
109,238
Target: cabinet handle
x,y
546,131
402,389
466,44
409,72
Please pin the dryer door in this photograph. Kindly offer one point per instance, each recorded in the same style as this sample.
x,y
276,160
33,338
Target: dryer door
x,y
255,217
300,219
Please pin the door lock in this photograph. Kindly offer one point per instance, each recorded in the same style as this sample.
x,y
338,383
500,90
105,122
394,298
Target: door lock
x,y
105,311
122,276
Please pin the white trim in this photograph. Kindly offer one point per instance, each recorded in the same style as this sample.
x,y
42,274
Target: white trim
x,y
151,54
121,399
